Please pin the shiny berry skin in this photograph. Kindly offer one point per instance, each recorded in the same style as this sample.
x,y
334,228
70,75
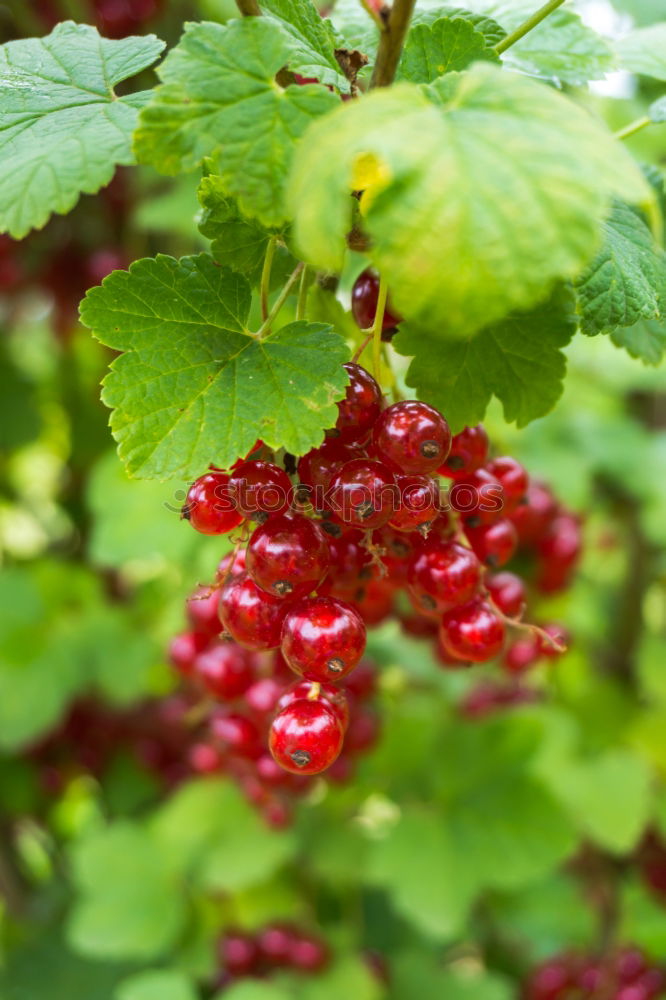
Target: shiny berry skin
x,y
260,489
522,654
348,558
305,737
364,494
472,631
236,734
225,670
442,574
419,503
360,408
533,517
469,451
317,468
308,954
562,541
363,731
201,610
556,632
364,296
550,981
209,507
238,953
288,556
275,943
251,616
334,697
478,498
184,648
262,696
413,435
494,544
508,592
233,564
205,759
514,479
322,638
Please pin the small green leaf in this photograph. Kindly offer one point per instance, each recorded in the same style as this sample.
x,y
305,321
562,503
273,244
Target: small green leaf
x,y
219,94
657,110
519,360
164,984
645,340
62,129
643,51
237,243
441,47
626,281
193,387
349,976
488,26
312,40
481,190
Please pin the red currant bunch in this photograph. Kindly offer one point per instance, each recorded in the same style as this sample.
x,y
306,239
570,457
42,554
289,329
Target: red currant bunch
x,y
623,974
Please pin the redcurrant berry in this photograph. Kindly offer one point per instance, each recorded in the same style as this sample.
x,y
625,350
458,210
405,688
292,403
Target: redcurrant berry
x,y
262,696
305,737
236,734
250,615
363,731
276,942
312,690
359,409
201,610
443,574
478,497
419,503
364,296
209,507
469,451
413,435
288,556
309,954
514,480
239,953
533,517
364,494
225,670
522,654
184,648
494,544
317,468
322,638
260,489
508,592
472,631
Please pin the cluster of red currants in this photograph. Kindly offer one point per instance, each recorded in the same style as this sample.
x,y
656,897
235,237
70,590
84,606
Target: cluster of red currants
x,y
366,518
277,947
627,974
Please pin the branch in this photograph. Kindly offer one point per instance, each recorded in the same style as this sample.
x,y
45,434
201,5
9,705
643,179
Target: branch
x,y
391,41
527,25
248,8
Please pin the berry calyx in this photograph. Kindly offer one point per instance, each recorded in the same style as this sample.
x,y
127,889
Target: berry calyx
x,y
413,435
260,489
469,451
364,494
250,615
472,631
288,556
305,737
360,408
209,506
322,638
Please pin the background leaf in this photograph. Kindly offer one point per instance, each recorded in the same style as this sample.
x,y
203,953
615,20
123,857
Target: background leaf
x,y
644,51
441,47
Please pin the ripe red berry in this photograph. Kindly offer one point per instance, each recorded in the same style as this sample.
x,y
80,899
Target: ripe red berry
x,y
550,981
443,574
201,610
250,615
362,683
514,479
184,648
418,505
276,941
508,592
494,544
204,759
478,497
522,654
472,631
308,954
360,407
364,494
322,638
305,737
236,734
348,558
233,564
260,489
363,731
561,543
262,696
469,451
375,601
317,468
413,435
334,697
209,507
533,517
239,953
288,556
225,670
364,296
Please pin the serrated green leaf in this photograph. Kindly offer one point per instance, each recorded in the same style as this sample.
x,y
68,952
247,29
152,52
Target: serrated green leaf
x,y
193,387
626,281
488,26
62,129
657,110
162,984
130,905
219,94
312,40
519,360
645,340
643,51
480,191
441,47
237,243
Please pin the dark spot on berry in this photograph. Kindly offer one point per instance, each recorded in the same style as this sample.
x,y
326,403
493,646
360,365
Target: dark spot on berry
x,y
456,462
301,758
430,449
428,602
282,588
336,665
334,530
365,510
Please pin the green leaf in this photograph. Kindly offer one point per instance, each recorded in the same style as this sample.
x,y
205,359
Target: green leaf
x,y
488,26
130,904
193,387
626,281
162,984
441,47
645,340
561,48
252,989
45,967
220,95
349,976
481,190
615,822
519,360
657,111
237,242
643,51
312,47
62,129
420,975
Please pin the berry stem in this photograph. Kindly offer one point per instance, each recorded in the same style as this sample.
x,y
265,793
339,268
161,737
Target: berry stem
x,y
377,327
393,30
280,301
266,276
378,16
548,639
362,346
302,294
527,26
633,127
248,8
